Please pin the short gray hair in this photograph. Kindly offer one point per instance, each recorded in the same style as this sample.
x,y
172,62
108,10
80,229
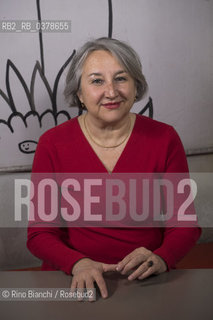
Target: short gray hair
x,y
125,54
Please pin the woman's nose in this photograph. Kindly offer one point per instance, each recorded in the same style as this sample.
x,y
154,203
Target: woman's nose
x,y
110,90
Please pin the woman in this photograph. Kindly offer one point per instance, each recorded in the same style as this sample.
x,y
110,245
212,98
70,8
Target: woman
x,y
105,79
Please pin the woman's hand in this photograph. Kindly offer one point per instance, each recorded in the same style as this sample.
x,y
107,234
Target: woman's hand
x,y
86,272
144,263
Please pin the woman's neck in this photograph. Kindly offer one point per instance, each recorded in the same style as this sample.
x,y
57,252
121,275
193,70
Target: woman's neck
x,y
108,135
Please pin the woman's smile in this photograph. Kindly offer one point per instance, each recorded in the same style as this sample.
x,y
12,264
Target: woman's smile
x,y
111,105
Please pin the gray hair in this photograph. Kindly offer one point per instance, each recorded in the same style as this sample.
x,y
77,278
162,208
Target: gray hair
x,y
126,56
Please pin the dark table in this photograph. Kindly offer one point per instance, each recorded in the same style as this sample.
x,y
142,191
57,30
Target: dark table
x,y
174,295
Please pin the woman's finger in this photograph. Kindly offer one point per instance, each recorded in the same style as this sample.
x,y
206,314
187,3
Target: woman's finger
x,y
109,267
139,252
101,285
90,286
134,262
73,284
80,289
148,272
123,262
138,272
144,270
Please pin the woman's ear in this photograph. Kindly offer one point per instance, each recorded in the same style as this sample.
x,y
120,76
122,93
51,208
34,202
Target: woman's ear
x,y
136,90
80,98
79,95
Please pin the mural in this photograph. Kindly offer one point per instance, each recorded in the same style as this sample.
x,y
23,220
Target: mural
x,y
19,133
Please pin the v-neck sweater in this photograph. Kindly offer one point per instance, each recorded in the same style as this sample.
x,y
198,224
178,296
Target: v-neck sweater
x,y
152,147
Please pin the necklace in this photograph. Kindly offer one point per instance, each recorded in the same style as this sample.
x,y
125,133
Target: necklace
x,y
100,145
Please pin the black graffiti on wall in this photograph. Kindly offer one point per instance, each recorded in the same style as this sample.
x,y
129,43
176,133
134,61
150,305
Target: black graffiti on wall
x,y
29,146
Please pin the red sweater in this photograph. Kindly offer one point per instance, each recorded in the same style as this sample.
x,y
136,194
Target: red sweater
x,y
152,147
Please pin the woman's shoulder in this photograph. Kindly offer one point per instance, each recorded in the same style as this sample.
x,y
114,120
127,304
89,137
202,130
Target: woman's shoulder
x,y
155,132
145,125
60,132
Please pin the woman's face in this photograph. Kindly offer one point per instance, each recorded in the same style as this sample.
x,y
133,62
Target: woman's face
x,y
106,89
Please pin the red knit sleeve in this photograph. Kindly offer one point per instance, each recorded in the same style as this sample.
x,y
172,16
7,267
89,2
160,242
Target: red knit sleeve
x,y
46,242
177,240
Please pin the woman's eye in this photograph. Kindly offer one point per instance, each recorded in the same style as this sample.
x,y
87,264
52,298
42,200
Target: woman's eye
x,y
120,79
97,81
